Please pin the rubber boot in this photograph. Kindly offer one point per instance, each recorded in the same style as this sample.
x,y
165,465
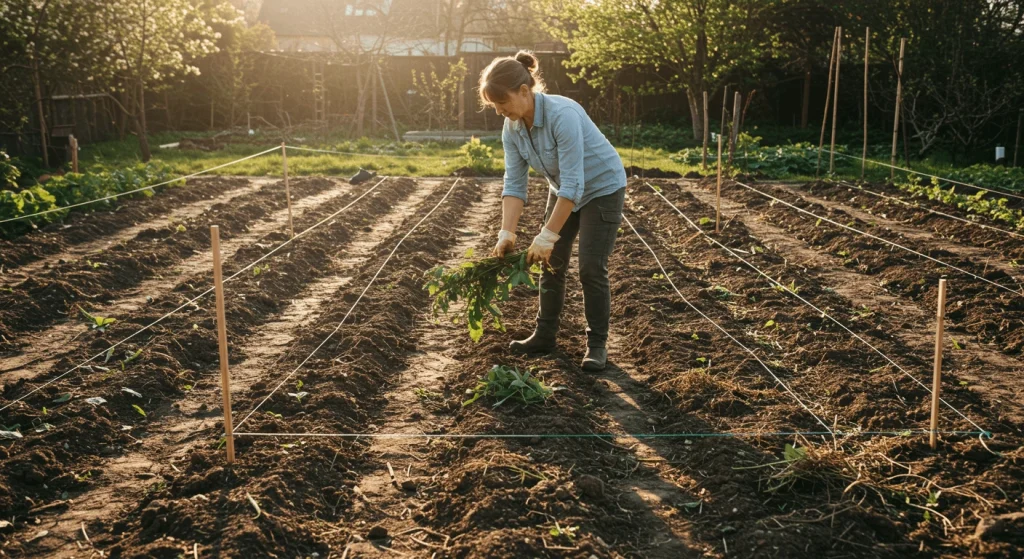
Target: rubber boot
x,y
538,342
595,360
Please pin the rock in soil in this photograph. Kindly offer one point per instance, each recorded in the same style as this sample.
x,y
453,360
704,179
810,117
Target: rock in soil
x,y
996,526
378,532
591,486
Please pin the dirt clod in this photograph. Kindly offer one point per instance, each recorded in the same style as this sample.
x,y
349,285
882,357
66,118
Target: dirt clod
x,y
378,532
591,486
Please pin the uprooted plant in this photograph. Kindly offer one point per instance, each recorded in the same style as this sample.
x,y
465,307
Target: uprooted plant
x,y
479,284
505,383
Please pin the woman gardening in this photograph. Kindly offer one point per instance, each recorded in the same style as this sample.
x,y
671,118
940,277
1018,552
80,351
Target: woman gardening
x,y
586,183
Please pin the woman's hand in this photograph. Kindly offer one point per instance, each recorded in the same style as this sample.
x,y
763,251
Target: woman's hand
x,y
540,250
506,241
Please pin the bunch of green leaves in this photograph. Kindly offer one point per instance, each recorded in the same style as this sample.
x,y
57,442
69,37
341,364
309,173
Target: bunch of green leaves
x,y
504,383
979,203
479,285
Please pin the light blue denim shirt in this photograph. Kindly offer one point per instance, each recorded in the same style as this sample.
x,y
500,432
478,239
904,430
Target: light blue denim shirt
x,y
568,149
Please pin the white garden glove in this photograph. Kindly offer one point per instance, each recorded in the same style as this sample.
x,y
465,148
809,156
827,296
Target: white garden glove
x,y
540,250
506,240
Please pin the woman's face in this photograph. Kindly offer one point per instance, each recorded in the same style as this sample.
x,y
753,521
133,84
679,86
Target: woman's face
x,y
516,105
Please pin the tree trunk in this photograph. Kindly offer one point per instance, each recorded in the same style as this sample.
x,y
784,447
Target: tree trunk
x,y
806,105
42,114
696,113
140,123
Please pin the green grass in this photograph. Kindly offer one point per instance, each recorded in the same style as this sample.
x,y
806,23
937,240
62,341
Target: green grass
x,y
430,159
427,159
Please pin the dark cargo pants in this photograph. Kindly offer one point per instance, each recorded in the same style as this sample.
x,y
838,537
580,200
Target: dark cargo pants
x,y
597,225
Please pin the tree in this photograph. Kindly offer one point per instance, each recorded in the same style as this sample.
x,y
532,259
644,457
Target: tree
x,y
60,48
962,71
687,45
442,93
153,42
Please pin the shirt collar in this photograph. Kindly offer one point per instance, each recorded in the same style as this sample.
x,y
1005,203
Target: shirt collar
x,y
538,113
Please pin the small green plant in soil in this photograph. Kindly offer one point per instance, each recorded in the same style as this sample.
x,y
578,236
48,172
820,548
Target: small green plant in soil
x,y
97,322
479,284
505,383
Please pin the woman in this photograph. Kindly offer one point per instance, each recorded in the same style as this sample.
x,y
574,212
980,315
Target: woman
x,y
586,183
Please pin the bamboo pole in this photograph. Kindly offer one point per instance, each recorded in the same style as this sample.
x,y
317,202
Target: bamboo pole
x,y
704,158
718,192
287,189
222,342
835,103
828,98
937,373
864,153
74,153
896,121
1016,147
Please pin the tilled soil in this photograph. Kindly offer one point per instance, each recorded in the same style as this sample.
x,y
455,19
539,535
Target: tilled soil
x,y
91,284
673,451
82,227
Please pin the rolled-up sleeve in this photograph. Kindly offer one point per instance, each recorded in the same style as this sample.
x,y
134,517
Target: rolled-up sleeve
x,y
517,170
568,133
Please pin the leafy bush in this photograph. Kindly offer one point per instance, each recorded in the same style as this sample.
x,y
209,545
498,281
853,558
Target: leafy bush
x,y
503,383
1003,178
75,188
479,157
9,172
774,162
476,153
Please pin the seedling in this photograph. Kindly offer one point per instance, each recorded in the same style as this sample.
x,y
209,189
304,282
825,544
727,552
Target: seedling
x,y
130,356
504,383
274,415
480,284
98,322
704,221
61,398
298,395
139,410
568,531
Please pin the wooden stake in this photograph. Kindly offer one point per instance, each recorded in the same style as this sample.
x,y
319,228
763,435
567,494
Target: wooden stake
x,y
704,159
74,153
718,194
1016,147
828,99
864,153
287,189
222,341
835,103
899,101
735,132
387,101
937,374
725,103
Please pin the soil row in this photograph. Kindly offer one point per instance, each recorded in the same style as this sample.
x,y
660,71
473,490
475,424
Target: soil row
x,y
975,308
82,227
67,444
64,289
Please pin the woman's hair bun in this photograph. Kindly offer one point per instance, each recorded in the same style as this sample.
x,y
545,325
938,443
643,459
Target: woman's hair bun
x,y
528,60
